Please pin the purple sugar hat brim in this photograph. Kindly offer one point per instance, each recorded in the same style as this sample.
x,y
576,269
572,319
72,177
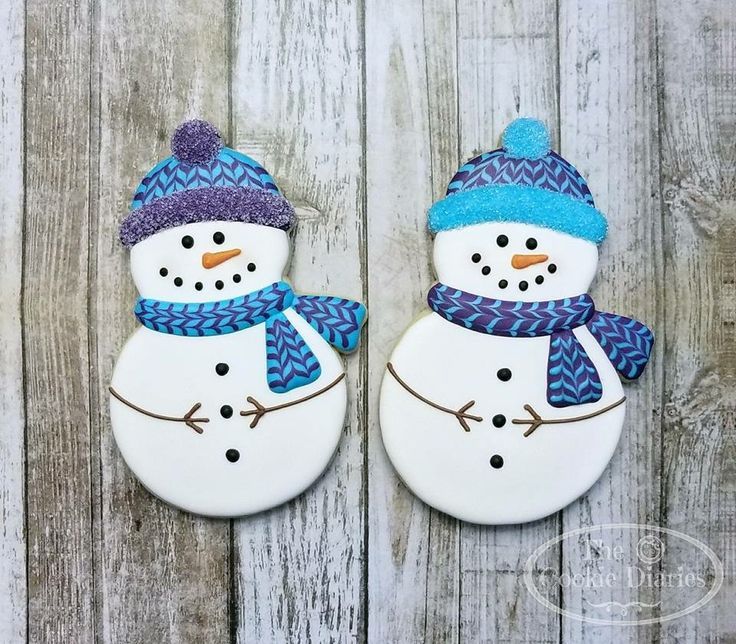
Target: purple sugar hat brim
x,y
214,203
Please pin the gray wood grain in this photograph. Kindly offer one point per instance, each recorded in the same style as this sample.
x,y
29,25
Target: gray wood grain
x,y
609,131
157,66
55,321
12,458
297,107
698,127
362,111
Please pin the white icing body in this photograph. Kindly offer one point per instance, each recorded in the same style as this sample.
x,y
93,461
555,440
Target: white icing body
x,y
168,374
449,468
282,456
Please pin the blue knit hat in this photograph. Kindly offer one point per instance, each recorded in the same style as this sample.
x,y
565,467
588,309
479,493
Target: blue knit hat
x,y
204,181
524,182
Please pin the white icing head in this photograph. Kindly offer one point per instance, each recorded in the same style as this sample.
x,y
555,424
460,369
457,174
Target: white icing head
x,y
208,261
512,261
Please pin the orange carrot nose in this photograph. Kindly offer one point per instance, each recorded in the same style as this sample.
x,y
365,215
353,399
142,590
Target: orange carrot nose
x,y
524,261
210,260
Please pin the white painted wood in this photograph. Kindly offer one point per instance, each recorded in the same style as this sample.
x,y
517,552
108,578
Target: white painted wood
x,y
297,108
411,134
12,510
696,44
608,114
507,67
55,321
162,575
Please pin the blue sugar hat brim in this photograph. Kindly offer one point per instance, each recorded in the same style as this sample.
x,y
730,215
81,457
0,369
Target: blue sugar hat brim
x,y
519,204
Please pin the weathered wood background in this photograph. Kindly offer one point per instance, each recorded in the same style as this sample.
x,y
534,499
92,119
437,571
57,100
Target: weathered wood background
x,y
362,111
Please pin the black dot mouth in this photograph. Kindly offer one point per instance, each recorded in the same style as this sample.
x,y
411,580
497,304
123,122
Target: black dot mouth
x,y
232,455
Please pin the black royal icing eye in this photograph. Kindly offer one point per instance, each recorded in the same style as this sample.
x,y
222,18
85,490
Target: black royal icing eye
x,y
502,240
187,241
218,238
531,243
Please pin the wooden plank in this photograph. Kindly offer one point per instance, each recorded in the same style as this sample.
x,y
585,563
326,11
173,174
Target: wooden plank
x,y
12,459
507,67
697,41
297,107
411,148
163,574
608,114
56,350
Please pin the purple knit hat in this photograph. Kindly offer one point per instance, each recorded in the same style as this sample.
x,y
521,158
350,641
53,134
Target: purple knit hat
x,y
204,181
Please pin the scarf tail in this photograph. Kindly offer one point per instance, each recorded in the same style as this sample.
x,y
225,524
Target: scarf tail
x,y
572,378
290,363
627,343
337,320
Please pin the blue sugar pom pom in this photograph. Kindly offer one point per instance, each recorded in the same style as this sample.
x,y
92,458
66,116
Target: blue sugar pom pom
x,y
526,138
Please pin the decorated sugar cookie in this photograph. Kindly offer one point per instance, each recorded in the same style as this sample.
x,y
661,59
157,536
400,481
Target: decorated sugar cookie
x,y
503,404
229,399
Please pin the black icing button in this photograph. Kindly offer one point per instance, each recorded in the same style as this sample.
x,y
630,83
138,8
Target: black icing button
x,y
232,455
221,368
226,411
504,375
496,461
499,420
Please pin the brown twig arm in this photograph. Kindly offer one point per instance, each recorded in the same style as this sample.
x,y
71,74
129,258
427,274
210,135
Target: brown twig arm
x,y
261,410
536,421
188,418
460,414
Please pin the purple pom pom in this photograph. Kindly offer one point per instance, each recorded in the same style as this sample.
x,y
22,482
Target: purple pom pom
x,y
196,142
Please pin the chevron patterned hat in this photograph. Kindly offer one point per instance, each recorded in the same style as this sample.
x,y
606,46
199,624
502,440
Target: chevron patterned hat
x,y
523,182
204,181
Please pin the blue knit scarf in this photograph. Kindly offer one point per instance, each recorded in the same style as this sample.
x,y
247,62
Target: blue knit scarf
x,y
572,379
290,363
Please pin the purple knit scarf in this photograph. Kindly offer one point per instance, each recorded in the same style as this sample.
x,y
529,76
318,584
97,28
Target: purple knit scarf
x,y
572,379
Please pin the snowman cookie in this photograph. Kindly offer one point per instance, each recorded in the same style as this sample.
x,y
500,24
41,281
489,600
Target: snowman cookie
x,y
503,404
230,398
